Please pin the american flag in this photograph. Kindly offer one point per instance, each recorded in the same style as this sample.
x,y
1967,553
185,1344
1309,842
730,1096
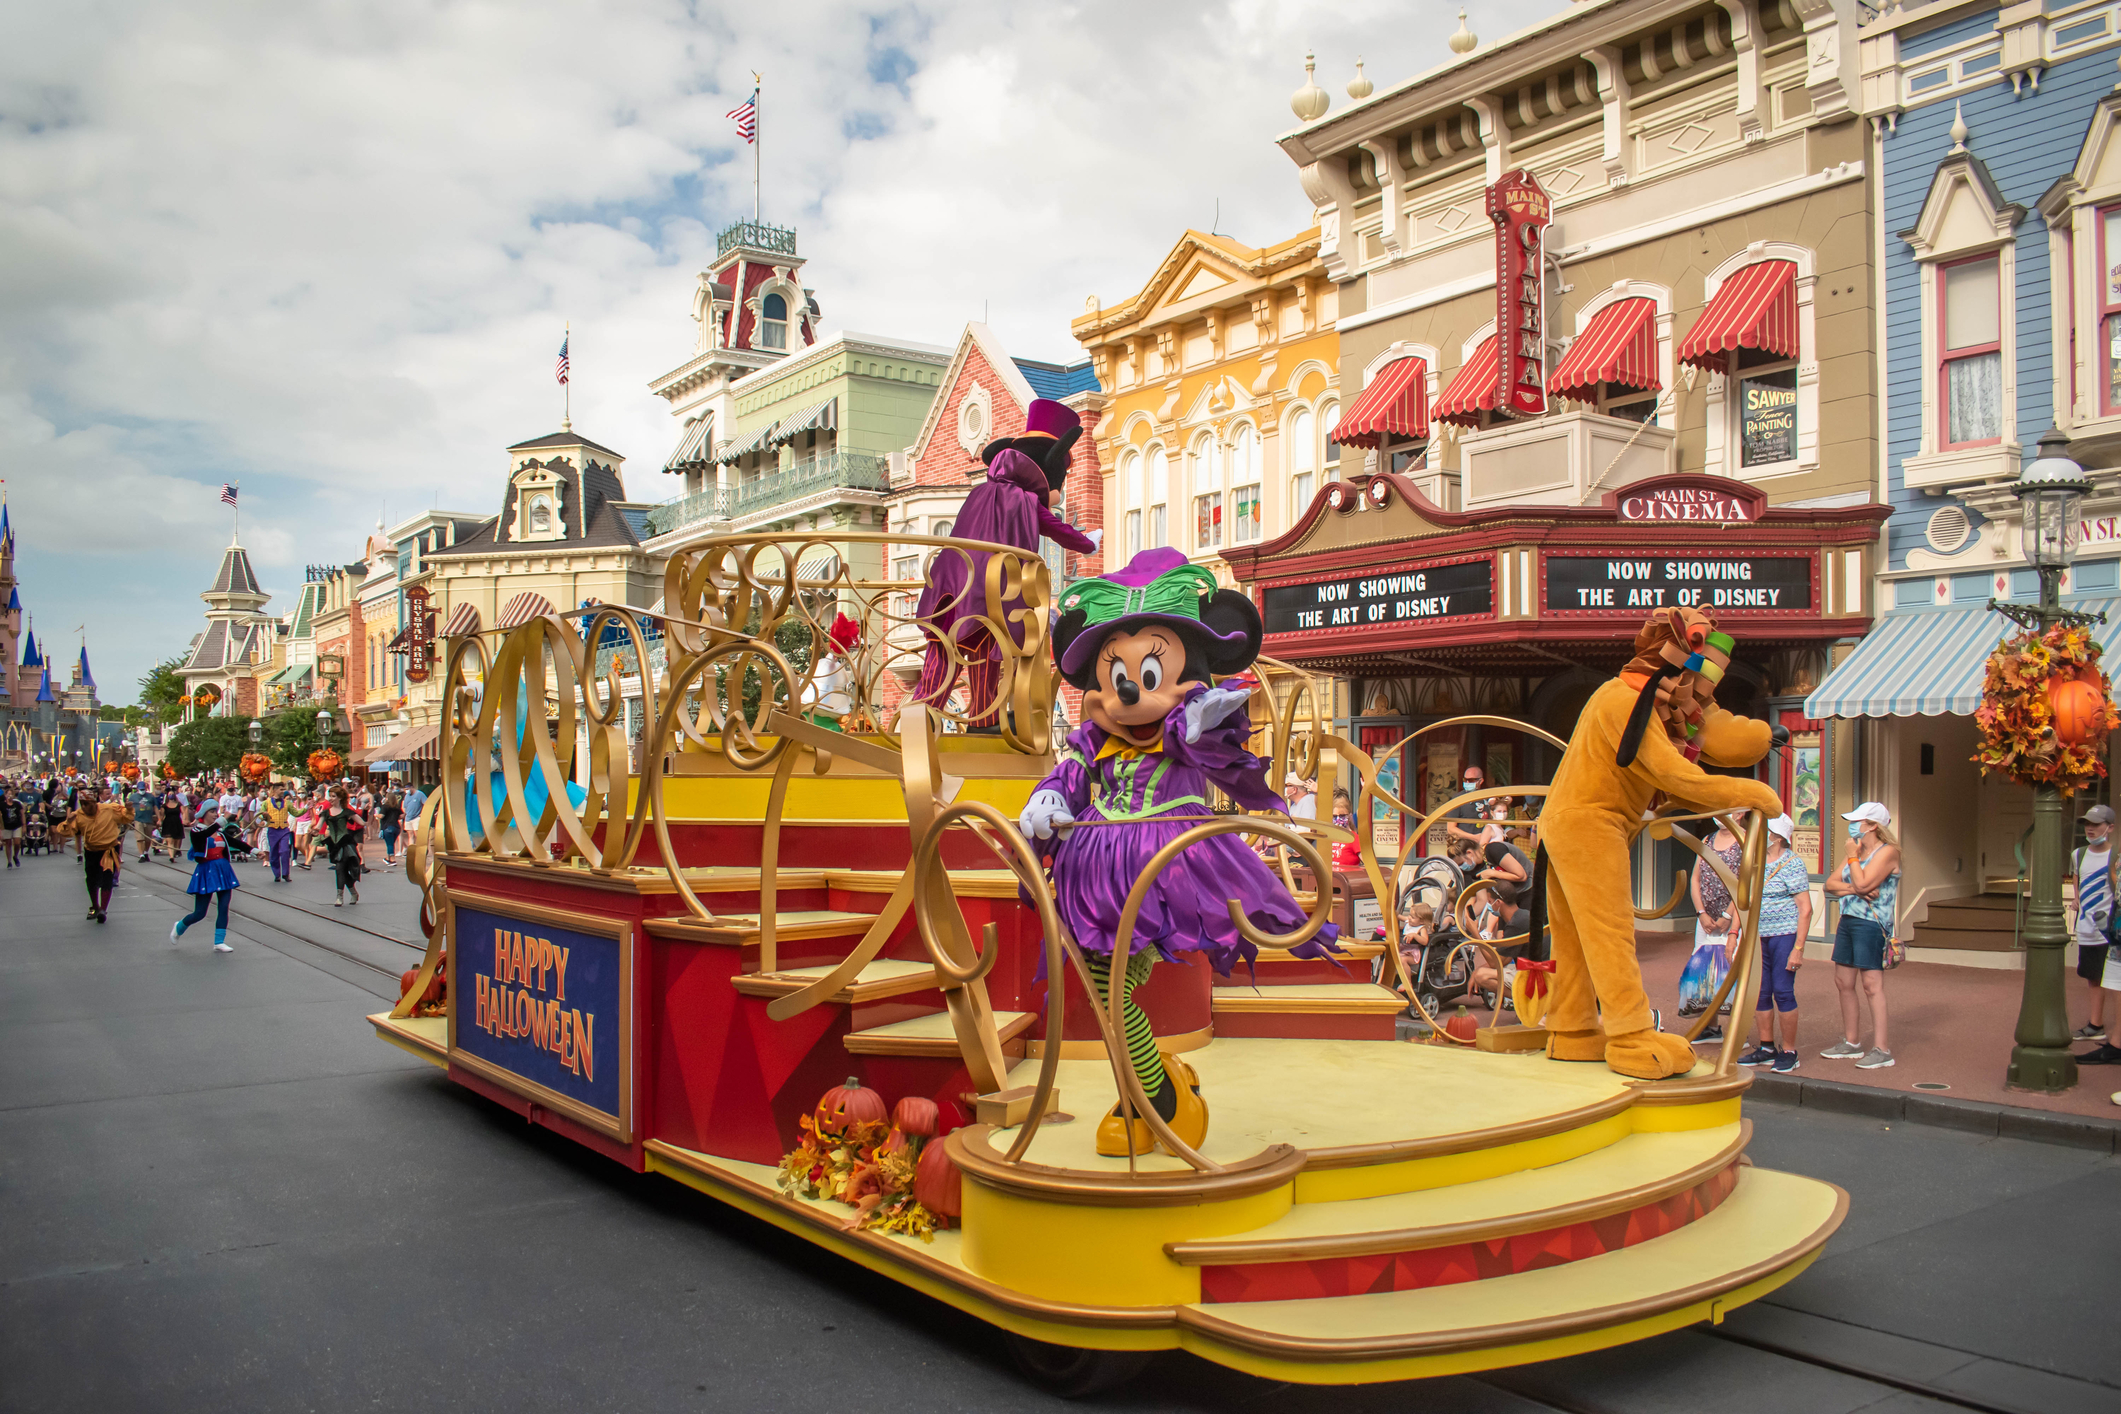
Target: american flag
x,y
747,118
228,494
559,370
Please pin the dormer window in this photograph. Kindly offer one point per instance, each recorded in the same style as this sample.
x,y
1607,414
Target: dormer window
x,y
540,516
773,322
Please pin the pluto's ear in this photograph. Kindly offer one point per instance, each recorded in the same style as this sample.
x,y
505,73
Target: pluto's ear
x,y
1229,611
1065,628
1639,719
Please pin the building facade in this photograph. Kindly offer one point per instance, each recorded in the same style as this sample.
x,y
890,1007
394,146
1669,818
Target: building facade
x,y
1998,246
1605,278
1222,381
222,662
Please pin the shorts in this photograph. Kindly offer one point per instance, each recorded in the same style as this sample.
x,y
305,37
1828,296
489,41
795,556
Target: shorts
x,y
1859,943
8,836
2091,960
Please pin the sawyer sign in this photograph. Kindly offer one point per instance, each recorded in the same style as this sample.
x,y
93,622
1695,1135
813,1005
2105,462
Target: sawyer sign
x,y
1399,596
1601,582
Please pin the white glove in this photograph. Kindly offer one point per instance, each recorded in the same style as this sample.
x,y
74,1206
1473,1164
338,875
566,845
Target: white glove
x,y
1096,538
1043,813
1213,707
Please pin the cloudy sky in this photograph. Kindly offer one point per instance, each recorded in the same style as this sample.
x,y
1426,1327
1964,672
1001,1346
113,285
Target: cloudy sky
x,y
326,249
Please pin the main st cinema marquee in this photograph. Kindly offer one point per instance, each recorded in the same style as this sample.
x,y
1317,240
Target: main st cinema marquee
x,y
1376,581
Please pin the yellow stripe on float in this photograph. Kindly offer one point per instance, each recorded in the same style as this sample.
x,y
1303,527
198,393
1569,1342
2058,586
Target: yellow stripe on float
x,y
1442,1170
1671,1119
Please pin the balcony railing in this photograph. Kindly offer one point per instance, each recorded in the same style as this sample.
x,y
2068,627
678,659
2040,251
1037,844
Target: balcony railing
x,y
755,235
852,471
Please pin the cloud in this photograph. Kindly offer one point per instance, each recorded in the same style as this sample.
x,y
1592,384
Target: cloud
x,y
327,250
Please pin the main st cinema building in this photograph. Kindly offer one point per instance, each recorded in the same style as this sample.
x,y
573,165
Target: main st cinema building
x,y
1606,338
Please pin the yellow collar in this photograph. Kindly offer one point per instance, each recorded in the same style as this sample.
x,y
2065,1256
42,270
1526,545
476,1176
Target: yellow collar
x,y
1115,747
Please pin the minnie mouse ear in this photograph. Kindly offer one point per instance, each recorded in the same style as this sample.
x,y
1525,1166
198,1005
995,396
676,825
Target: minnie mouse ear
x,y
1056,458
1065,628
993,449
1231,615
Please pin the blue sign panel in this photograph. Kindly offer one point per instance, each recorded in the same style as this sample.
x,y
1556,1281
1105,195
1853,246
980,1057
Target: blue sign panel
x,y
542,1002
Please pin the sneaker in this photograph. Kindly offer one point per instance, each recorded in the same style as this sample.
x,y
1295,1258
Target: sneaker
x,y
2104,1055
2089,1031
173,933
1759,1055
223,947
338,903
1878,1059
1843,1049
1786,1061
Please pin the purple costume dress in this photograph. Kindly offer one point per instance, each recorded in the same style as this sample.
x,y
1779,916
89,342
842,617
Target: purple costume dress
x,y
1008,508
1164,792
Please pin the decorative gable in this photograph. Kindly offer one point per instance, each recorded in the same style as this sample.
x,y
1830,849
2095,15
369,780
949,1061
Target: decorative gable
x,y
1964,214
1200,282
2099,159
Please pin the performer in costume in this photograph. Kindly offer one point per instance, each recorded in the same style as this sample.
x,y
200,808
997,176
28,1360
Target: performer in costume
x,y
1014,506
212,876
1142,644
1640,734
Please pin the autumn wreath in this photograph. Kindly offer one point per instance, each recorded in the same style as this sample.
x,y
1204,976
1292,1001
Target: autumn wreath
x,y
326,764
255,766
2039,720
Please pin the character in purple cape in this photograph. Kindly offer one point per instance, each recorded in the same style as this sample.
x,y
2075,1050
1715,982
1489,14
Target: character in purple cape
x,y
1144,644
1013,506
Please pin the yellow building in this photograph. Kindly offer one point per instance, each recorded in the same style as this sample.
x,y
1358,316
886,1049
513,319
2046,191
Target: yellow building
x,y
1221,379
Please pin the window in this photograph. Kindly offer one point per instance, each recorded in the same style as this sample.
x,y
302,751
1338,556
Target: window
x,y
1405,456
1328,420
1972,352
1767,408
773,324
1159,497
906,569
2110,307
1628,404
942,526
1244,485
1208,497
1131,501
540,516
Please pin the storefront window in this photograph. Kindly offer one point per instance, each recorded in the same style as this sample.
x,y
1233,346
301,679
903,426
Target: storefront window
x,y
1407,457
1244,485
1628,404
1208,521
1767,408
2110,303
1244,513
1159,496
1972,375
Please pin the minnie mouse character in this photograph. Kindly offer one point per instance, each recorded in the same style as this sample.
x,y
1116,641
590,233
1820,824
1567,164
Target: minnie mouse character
x,y
1014,506
1143,645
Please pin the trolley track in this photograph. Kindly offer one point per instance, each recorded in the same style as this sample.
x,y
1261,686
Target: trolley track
x,y
303,938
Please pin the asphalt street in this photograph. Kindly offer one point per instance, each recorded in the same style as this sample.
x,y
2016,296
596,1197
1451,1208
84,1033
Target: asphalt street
x,y
219,1192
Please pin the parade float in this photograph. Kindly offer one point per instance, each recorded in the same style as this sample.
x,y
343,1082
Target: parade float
x,y
814,970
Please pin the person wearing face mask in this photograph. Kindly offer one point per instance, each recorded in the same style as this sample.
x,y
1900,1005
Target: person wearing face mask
x,y
1868,885
1469,821
2093,868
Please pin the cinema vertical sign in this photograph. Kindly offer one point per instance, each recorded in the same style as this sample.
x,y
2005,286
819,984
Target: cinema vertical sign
x,y
1521,211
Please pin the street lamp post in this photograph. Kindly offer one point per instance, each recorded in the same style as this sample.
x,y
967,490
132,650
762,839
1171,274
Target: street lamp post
x,y
2049,492
323,729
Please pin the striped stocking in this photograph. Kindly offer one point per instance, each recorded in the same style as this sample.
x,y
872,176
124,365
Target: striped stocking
x,y
1141,1037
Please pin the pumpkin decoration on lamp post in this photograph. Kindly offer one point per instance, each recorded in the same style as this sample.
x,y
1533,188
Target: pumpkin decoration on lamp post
x,y
2046,709
325,764
255,766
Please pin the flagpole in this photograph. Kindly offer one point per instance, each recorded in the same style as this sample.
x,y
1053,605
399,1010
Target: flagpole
x,y
567,387
758,142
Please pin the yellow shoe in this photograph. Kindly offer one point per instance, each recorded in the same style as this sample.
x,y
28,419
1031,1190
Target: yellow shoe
x,y
1112,1136
1190,1123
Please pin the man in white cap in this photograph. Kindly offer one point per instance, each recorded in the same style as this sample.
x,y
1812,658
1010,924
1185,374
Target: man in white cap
x,y
1301,795
1785,922
2092,866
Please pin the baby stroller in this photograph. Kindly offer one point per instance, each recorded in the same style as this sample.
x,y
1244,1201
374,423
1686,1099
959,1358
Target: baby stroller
x,y
1441,969
36,834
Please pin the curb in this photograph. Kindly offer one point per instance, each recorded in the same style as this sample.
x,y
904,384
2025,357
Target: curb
x,y
1971,1116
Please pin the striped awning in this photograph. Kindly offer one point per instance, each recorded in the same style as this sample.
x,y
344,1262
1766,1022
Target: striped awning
x,y
1619,347
1476,387
1756,308
693,446
1395,404
417,744
463,622
292,677
819,418
522,609
819,566
744,445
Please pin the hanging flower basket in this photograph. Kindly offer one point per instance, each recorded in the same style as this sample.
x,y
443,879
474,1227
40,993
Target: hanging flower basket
x,y
169,772
325,765
130,771
255,766
2027,675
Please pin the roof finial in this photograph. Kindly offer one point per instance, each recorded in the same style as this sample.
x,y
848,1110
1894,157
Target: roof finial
x,y
1360,86
1310,102
1464,40
1958,128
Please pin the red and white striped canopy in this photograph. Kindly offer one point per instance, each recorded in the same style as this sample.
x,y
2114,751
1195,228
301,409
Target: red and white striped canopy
x,y
522,609
1396,403
1755,309
1619,347
1475,388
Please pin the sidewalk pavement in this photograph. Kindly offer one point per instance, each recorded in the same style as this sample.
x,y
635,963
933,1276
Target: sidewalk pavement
x,y
1948,1025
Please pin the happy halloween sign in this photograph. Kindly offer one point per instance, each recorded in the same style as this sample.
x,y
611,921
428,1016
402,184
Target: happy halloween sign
x,y
542,1002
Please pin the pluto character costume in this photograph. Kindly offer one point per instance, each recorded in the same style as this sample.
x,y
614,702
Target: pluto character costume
x,y
1639,734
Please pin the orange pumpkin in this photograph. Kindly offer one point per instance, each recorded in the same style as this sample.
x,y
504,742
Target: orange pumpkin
x,y
916,1116
846,1108
1462,1025
938,1186
2078,709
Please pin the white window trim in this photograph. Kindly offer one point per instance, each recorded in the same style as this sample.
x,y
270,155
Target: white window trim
x,y
1934,467
1668,405
1149,501
1230,482
1720,450
1217,484
2083,418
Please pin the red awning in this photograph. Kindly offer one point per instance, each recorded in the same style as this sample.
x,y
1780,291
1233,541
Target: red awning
x,y
1755,309
1475,388
1620,346
1395,404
